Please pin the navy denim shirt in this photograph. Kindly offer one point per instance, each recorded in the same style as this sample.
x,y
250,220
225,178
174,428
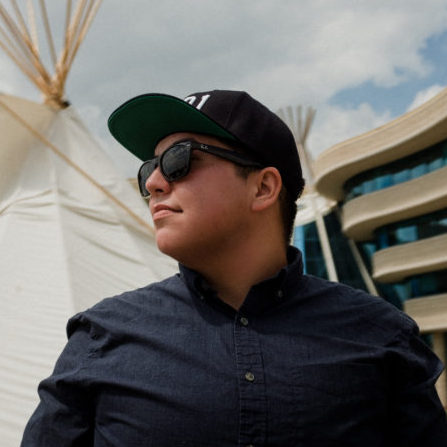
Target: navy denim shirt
x,y
304,362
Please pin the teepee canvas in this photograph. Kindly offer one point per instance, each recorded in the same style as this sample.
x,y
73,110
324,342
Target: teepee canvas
x,y
72,229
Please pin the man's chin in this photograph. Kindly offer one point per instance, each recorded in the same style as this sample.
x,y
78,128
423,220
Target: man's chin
x,y
166,245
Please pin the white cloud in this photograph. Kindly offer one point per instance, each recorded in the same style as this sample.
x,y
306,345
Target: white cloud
x,y
285,52
334,124
425,95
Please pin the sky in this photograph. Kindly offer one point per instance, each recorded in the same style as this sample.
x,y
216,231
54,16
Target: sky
x,y
358,63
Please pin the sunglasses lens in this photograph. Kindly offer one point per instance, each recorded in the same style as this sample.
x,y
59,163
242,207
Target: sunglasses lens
x,y
144,173
175,162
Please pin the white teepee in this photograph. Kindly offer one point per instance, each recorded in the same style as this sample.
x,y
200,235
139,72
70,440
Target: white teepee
x,y
72,229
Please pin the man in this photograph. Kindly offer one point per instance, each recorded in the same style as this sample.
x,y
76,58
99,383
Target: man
x,y
240,348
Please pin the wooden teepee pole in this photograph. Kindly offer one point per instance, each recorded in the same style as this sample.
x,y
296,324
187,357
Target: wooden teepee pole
x,y
21,44
48,32
76,167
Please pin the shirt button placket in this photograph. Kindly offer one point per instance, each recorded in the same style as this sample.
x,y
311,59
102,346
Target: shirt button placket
x,y
252,393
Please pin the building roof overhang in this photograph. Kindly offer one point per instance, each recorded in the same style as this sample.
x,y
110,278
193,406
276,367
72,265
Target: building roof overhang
x,y
410,133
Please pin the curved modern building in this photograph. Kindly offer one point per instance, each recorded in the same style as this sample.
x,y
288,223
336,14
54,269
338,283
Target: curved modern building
x,y
390,186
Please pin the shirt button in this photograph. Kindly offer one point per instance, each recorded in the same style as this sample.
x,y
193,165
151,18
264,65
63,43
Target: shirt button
x,y
279,294
244,321
249,376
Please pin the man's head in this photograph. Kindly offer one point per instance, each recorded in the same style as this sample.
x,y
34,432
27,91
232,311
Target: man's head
x,y
230,116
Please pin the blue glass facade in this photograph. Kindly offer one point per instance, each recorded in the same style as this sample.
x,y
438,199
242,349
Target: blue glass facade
x,y
307,240
416,286
411,230
405,231
408,168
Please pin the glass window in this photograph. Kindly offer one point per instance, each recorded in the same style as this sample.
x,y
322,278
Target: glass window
x,y
407,168
411,230
368,248
401,176
382,239
299,242
384,181
444,152
368,187
406,234
307,240
357,191
435,163
419,170
443,223
424,285
348,271
402,291
414,287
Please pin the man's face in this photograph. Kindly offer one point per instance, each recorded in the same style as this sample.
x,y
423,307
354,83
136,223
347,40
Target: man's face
x,y
203,213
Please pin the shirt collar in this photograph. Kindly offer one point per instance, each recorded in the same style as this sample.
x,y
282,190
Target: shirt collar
x,y
262,296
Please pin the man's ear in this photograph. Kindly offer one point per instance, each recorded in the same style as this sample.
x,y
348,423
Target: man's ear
x,y
268,184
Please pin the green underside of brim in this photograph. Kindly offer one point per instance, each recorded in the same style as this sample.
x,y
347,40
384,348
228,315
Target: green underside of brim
x,y
142,122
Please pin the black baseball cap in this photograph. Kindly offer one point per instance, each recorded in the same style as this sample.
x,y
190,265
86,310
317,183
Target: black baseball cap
x,y
141,122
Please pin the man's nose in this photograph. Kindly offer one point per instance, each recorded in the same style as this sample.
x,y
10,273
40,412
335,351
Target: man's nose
x,y
156,183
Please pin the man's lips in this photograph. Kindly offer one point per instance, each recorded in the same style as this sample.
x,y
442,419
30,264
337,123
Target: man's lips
x,y
160,210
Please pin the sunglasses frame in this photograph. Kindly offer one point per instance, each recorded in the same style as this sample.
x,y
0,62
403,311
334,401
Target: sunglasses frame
x,y
227,154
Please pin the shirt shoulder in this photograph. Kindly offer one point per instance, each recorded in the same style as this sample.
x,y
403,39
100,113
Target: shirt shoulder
x,y
354,311
113,313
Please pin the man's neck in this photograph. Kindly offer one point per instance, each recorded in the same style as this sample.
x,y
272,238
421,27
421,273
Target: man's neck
x,y
232,275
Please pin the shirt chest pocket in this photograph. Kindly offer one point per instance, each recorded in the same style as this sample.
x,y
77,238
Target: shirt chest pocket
x,y
340,401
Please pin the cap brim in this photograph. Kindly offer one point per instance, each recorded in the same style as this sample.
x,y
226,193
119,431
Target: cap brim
x,y
140,123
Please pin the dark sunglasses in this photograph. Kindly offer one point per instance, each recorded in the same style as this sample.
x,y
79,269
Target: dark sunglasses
x,y
175,162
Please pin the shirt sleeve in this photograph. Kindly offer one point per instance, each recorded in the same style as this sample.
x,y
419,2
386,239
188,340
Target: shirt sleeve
x,y
417,417
65,414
